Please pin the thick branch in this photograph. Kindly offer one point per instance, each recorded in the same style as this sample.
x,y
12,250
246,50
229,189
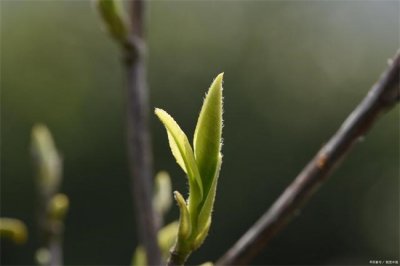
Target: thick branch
x,y
383,95
139,137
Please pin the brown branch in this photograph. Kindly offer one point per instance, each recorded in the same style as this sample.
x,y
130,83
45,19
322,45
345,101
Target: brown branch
x,y
139,137
383,96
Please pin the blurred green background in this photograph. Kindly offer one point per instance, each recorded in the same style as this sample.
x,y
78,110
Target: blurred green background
x,y
293,71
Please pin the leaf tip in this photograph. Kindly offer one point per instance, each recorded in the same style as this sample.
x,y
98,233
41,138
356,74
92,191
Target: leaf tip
x,y
159,113
185,227
178,197
219,79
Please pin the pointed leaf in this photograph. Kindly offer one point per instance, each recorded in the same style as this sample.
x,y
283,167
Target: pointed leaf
x,y
202,234
207,136
207,206
181,150
185,227
175,151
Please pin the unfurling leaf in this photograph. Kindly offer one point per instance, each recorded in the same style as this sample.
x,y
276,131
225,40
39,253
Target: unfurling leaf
x,y
207,136
202,234
185,226
202,165
207,206
182,151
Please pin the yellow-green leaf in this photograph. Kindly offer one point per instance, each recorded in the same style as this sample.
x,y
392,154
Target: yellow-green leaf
x,y
207,136
207,206
202,234
185,226
181,150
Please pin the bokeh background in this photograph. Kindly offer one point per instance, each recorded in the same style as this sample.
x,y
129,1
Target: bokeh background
x,y
293,71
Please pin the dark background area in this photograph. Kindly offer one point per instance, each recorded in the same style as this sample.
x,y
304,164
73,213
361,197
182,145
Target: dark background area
x,y
293,71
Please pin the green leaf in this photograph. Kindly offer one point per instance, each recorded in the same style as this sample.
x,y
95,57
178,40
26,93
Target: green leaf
x,y
207,136
185,226
207,207
182,151
202,167
202,234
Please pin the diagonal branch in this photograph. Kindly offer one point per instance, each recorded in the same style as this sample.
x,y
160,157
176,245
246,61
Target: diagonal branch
x,y
384,95
139,137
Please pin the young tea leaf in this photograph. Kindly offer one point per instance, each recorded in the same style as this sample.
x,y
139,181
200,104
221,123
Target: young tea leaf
x,y
202,167
207,206
185,226
181,150
202,234
207,136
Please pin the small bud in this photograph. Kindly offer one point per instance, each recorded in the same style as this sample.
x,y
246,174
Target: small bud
x,y
58,207
13,229
43,256
208,263
47,160
162,199
185,227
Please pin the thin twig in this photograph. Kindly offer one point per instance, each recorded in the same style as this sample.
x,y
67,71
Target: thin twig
x,y
139,137
383,96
